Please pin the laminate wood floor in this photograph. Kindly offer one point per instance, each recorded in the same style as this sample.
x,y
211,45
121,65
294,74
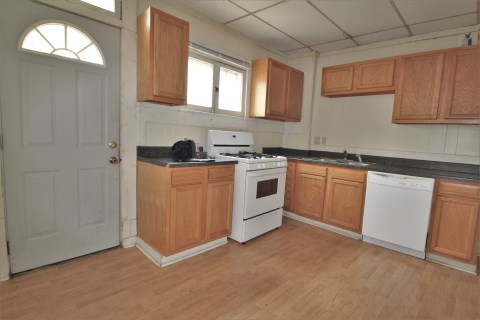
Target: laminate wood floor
x,y
297,272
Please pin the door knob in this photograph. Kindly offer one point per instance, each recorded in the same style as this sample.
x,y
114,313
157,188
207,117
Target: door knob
x,y
112,144
113,160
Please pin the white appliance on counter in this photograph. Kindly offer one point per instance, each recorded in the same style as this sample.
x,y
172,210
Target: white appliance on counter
x,y
397,212
259,185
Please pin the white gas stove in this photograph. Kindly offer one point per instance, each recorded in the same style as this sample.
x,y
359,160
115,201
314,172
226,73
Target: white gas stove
x,y
259,183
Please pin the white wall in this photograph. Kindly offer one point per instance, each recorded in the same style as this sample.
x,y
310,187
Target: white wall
x,y
363,124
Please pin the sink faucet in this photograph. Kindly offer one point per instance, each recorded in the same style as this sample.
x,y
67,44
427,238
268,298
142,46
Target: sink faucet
x,y
345,154
359,157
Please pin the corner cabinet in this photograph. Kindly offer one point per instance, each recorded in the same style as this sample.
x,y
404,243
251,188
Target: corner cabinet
x,y
276,91
454,224
289,186
362,78
344,199
181,208
162,57
439,87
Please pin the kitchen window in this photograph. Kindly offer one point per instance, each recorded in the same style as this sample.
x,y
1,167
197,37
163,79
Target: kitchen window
x,y
216,82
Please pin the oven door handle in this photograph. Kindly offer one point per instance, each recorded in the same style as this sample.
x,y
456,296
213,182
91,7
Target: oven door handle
x,y
266,172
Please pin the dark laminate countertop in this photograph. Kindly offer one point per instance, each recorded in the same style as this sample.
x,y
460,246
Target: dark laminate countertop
x,y
161,156
169,162
411,167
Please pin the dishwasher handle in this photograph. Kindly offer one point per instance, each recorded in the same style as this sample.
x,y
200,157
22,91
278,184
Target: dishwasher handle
x,y
400,181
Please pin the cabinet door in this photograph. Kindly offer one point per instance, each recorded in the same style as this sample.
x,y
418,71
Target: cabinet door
x,y
289,186
219,209
294,95
462,85
417,96
337,80
344,204
453,230
375,76
187,217
309,194
277,90
162,57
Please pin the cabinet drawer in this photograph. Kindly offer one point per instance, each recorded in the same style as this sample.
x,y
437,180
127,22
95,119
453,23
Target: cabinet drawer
x,y
312,169
221,173
347,174
455,188
187,176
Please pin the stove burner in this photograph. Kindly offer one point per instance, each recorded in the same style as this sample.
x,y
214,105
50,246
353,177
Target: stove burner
x,y
249,155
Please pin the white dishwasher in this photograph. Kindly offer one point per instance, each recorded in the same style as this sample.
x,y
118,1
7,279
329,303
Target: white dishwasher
x,y
397,212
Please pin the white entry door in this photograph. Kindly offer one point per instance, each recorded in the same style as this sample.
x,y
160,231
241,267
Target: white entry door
x,y
58,117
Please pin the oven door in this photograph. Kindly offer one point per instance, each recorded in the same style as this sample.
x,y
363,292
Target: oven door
x,y
265,190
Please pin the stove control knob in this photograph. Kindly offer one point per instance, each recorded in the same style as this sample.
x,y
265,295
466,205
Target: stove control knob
x,y
259,166
263,166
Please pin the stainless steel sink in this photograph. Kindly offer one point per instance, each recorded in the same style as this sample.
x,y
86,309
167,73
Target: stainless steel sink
x,y
342,161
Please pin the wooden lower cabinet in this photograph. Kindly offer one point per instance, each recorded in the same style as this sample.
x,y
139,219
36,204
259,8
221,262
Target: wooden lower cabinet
x,y
187,216
181,208
454,224
309,190
289,186
328,194
344,199
219,209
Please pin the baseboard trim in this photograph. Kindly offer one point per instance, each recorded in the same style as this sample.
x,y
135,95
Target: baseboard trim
x,y
470,268
322,225
161,261
129,242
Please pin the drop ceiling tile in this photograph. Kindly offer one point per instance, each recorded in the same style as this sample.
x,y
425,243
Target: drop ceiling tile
x,y
336,45
254,5
361,16
382,36
296,51
301,21
444,24
221,11
263,33
426,10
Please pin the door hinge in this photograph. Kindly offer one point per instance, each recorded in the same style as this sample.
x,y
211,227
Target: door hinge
x,y
8,247
1,141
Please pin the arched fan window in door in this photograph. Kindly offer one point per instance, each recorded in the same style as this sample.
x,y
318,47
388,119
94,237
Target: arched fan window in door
x,y
63,40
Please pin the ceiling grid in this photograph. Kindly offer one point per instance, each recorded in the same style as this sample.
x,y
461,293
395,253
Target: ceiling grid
x,y
297,26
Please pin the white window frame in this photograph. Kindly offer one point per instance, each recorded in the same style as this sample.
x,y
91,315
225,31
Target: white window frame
x,y
220,60
51,55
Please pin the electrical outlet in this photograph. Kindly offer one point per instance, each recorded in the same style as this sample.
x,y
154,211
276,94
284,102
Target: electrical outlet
x,y
316,140
324,140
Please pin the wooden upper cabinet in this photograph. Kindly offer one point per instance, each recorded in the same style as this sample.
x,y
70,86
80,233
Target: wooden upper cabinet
x,y
375,76
441,87
418,89
454,224
276,91
276,104
337,80
461,99
363,78
294,95
162,58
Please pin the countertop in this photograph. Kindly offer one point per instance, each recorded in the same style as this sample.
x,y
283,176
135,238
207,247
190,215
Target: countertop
x,y
170,163
161,156
411,167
